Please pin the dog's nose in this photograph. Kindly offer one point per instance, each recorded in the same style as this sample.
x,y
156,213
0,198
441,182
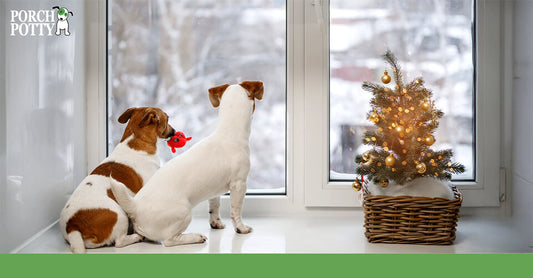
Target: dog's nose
x,y
172,132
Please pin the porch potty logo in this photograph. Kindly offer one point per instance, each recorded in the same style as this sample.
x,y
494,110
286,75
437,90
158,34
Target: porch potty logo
x,y
40,23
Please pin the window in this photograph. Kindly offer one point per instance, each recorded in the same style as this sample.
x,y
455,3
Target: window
x,y
293,53
447,42
168,53
432,39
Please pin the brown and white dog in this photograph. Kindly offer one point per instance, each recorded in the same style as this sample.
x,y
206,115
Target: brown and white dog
x,y
161,211
92,217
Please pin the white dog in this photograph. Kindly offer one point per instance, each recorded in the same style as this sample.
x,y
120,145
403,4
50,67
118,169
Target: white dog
x,y
92,218
161,210
62,22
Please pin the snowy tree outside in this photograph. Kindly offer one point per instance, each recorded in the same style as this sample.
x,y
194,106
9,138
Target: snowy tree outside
x,y
168,53
430,38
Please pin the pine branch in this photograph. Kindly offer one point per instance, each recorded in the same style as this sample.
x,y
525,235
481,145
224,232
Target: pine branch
x,y
390,58
372,87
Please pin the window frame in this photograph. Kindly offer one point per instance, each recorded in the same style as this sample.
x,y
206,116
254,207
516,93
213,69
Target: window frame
x,y
307,155
484,190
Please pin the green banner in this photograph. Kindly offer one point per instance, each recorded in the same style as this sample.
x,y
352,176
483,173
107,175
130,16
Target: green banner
x,y
268,265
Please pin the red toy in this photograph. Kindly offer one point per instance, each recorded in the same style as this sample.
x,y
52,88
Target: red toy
x,y
177,141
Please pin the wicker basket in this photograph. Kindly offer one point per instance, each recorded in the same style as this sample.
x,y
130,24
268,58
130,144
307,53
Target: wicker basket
x,y
413,220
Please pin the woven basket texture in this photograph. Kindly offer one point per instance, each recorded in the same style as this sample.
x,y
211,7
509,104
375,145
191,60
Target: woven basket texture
x,y
412,220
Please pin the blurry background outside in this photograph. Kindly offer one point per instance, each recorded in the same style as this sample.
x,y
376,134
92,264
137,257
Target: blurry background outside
x,y
432,39
168,53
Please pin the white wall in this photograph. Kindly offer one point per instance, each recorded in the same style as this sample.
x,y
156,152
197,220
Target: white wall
x,y
523,118
42,123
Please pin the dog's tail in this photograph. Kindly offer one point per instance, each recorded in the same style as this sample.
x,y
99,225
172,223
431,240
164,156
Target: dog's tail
x,y
75,240
123,196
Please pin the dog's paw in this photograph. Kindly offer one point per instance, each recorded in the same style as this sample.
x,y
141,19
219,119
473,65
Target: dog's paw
x,y
202,238
217,224
185,239
243,229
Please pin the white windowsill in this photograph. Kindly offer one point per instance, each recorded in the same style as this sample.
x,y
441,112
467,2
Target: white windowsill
x,y
313,232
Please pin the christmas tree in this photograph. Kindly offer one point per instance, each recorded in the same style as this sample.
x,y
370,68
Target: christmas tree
x,y
405,118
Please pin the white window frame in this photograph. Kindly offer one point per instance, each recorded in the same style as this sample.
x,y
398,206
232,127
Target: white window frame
x,y
484,191
307,112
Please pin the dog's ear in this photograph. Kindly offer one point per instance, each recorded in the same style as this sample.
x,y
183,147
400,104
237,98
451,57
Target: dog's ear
x,y
215,94
150,116
255,88
126,115
55,7
71,13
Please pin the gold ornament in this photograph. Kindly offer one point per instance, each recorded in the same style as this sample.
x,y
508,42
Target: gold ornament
x,y
421,168
368,159
366,155
356,185
385,78
390,160
384,183
429,140
368,162
425,105
374,117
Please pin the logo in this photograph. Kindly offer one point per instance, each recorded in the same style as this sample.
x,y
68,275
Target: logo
x,y
40,23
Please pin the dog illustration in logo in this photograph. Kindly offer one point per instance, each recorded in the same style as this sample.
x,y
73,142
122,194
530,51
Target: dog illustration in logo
x,y
62,22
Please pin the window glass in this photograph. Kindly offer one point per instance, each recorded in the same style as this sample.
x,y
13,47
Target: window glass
x,y
169,53
432,39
